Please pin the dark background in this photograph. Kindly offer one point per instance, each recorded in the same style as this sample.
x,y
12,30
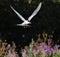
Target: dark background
x,y
47,19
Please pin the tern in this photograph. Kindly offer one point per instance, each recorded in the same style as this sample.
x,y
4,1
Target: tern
x,y
27,22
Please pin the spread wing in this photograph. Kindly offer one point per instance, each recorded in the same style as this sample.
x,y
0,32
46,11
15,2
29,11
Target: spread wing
x,y
35,11
19,15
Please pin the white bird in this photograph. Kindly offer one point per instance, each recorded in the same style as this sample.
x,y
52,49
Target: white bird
x,y
27,22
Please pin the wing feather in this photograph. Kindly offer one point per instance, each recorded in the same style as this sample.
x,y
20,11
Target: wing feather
x,y
35,11
19,15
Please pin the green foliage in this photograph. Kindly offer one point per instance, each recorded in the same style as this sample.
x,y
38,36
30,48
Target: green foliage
x,y
30,54
56,0
58,55
39,54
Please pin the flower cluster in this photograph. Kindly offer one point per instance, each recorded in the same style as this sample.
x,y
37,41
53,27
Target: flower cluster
x,y
6,50
41,48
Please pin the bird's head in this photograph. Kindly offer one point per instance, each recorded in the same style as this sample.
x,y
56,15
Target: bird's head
x,y
27,22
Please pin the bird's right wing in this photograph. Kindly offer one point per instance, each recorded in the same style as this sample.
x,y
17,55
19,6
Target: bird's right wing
x,y
35,11
19,15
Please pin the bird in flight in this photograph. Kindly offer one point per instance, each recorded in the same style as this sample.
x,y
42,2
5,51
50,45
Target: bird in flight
x,y
27,22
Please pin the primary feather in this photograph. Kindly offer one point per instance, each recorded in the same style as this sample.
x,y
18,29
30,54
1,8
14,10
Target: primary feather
x,y
18,14
35,11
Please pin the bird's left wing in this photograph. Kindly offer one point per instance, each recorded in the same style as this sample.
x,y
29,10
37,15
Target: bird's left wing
x,y
35,11
19,15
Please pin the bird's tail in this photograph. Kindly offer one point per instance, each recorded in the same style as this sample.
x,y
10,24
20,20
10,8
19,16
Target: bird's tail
x,y
23,25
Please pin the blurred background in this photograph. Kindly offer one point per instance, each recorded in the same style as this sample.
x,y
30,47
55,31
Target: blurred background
x,y
47,20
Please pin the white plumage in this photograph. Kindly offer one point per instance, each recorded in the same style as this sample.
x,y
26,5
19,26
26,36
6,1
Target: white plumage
x,y
27,22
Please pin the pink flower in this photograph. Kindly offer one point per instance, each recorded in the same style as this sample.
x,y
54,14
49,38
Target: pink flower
x,y
49,41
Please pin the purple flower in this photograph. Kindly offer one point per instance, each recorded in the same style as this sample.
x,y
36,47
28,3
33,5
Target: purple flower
x,y
48,51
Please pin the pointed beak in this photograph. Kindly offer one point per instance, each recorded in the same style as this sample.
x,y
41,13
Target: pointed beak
x,y
30,23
